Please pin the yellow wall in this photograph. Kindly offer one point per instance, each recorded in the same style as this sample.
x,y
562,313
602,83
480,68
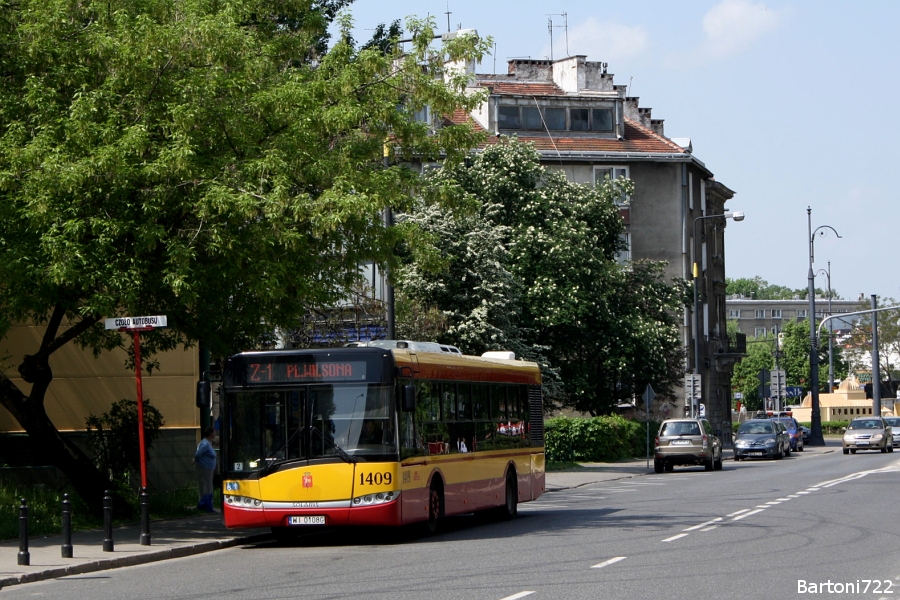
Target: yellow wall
x,y
84,385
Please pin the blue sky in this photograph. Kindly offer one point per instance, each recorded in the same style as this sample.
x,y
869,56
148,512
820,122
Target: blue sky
x,y
790,104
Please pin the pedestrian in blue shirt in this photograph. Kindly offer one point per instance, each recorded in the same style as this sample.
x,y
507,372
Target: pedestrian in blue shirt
x,y
205,465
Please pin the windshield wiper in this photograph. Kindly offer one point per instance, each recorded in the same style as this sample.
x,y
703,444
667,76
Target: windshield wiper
x,y
337,449
270,463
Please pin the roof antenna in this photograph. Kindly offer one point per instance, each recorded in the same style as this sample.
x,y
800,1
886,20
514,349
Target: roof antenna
x,y
550,27
630,79
448,13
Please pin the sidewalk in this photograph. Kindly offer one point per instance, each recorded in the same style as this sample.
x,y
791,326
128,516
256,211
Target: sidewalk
x,y
204,533
169,539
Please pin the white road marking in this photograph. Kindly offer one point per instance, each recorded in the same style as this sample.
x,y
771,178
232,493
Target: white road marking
x,y
710,528
675,537
642,483
716,520
762,506
517,596
747,514
743,510
773,503
608,562
783,499
802,493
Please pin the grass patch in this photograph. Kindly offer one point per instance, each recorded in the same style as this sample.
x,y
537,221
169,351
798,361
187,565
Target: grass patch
x,y
45,509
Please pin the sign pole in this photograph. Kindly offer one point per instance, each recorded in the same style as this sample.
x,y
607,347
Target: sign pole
x,y
140,405
648,397
136,325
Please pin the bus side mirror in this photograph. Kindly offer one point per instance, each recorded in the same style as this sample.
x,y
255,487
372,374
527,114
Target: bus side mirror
x,y
409,398
203,394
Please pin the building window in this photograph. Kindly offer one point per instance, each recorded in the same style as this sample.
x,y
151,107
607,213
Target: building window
x,y
508,118
776,313
538,119
579,119
759,332
531,118
624,255
555,118
602,119
734,314
601,173
774,331
801,313
760,314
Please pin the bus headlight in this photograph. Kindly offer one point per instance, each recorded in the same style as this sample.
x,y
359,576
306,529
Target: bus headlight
x,y
373,499
242,501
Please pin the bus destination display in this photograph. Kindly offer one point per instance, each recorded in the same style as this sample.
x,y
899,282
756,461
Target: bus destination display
x,y
304,372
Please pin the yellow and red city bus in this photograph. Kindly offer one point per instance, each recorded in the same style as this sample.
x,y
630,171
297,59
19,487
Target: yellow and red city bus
x,y
377,436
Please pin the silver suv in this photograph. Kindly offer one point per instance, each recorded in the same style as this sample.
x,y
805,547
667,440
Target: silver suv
x,y
687,442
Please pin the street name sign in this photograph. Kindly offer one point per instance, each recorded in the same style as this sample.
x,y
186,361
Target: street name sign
x,y
132,322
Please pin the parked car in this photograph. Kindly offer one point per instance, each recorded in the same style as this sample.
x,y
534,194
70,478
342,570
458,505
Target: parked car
x,y
794,431
687,442
894,422
761,438
868,433
805,433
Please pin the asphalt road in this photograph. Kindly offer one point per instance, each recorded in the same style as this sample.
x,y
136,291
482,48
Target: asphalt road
x,y
758,529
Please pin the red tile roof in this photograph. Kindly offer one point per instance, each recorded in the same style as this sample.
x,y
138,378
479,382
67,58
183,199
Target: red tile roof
x,y
637,139
523,88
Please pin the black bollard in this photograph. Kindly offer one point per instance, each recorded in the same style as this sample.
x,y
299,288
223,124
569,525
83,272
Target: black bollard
x,y
66,527
145,517
24,555
107,521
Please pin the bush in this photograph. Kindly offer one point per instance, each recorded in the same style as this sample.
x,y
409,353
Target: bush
x,y
113,438
595,439
828,427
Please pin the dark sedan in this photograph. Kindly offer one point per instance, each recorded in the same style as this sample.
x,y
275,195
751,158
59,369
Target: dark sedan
x,y
761,438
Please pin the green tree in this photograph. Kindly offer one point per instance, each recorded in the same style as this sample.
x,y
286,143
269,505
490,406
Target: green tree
x,y
758,288
113,438
888,339
746,372
207,161
532,265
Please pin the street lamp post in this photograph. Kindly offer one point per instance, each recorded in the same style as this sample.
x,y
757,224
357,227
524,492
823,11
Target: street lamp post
x,y
815,434
737,216
827,273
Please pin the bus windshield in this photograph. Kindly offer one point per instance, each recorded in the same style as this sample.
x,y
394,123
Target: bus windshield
x,y
352,422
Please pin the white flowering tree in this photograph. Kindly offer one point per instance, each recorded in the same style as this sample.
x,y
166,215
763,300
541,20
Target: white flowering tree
x,y
528,262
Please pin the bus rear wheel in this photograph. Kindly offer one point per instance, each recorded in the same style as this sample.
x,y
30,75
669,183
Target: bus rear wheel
x,y
435,507
511,507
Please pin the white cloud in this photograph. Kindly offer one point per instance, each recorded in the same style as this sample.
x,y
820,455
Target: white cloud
x,y
599,41
733,25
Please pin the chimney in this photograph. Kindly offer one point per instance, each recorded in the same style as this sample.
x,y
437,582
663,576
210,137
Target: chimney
x,y
454,68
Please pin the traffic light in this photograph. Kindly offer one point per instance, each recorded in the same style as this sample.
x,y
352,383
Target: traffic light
x,y
203,394
763,389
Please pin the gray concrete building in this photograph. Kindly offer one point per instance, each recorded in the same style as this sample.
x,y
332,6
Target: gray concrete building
x,y
757,318
585,125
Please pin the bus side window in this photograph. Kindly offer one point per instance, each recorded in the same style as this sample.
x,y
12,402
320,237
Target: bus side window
x,y
448,393
481,401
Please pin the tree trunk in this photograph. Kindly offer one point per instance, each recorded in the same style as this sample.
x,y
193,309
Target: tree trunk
x,y
86,479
